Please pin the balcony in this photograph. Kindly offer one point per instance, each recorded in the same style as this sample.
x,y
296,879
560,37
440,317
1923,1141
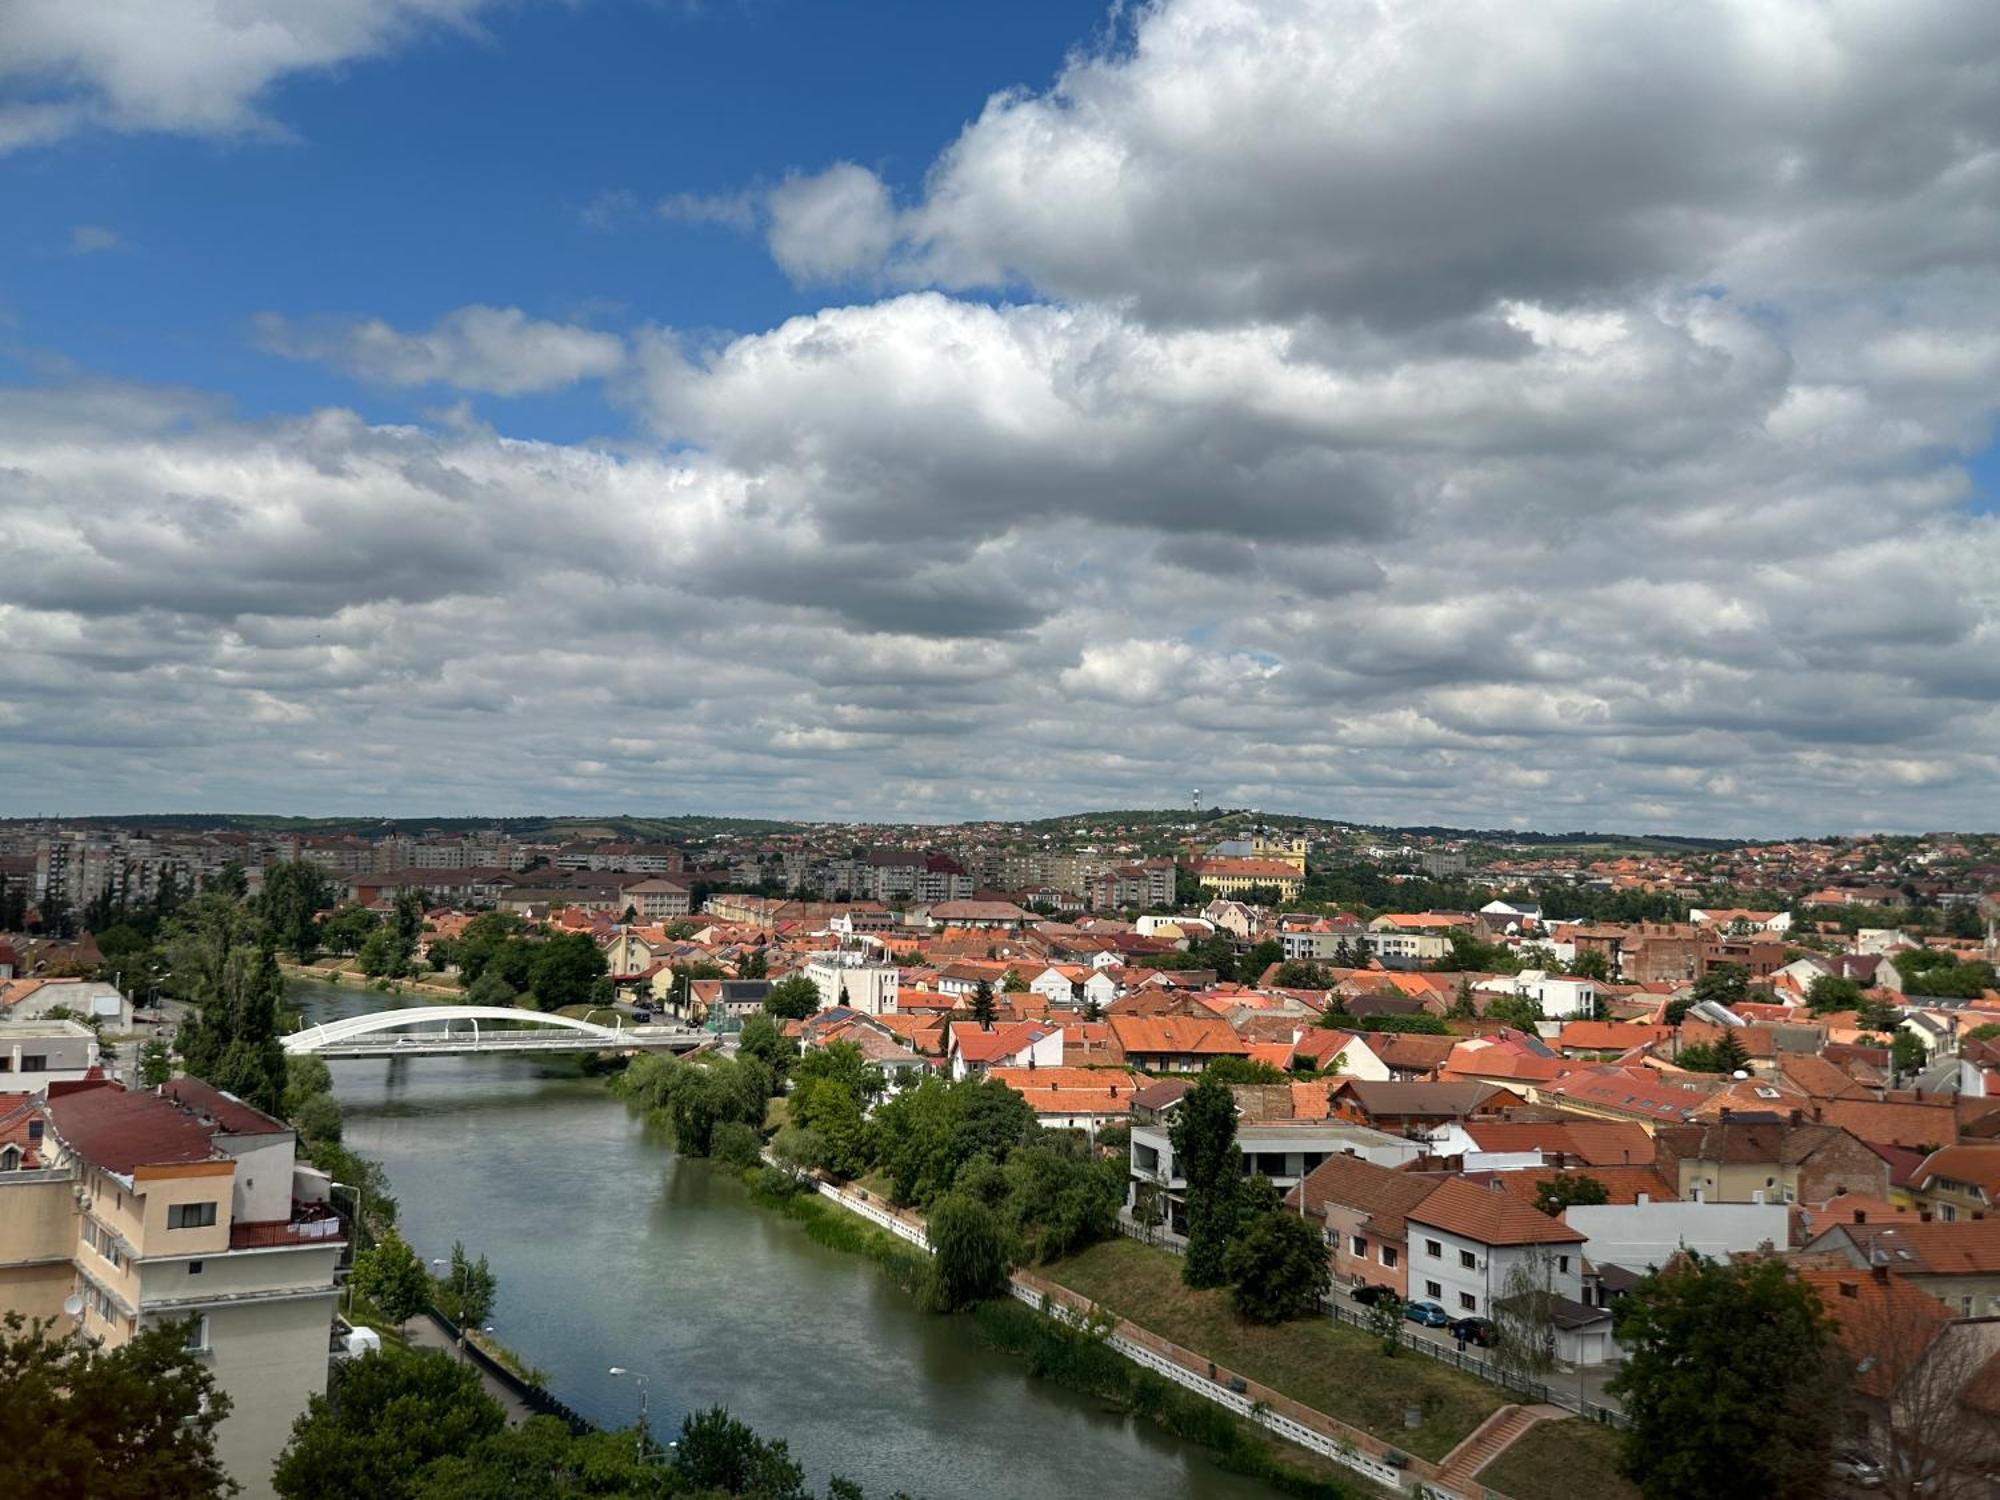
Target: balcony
x,y
278,1234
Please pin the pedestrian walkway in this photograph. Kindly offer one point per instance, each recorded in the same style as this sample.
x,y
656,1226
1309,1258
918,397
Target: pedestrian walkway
x,y
425,1333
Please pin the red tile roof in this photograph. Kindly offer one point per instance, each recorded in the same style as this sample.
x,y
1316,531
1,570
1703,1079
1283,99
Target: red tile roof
x,y
120,1130
1489,1218
1176,1035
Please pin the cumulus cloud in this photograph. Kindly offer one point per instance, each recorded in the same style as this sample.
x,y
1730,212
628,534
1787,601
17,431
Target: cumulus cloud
x,y
1419,411
1408,161
499,350
831,225
197,67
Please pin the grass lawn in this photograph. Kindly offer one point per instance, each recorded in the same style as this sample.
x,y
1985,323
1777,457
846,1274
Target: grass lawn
x,y
1567,1460
1340,1371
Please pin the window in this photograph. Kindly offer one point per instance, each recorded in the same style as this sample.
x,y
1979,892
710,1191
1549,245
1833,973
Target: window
x,y
197,1334
190,1215
1432,1290
1562,1264
1468,1260
34,1062
1467,1302
1360,1245
1433,1249
1388,1256
1947,1214
194,1268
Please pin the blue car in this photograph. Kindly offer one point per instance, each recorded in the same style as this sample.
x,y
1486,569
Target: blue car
x,y
1427,1313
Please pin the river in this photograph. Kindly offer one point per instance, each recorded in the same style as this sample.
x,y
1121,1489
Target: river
x,y
612,1250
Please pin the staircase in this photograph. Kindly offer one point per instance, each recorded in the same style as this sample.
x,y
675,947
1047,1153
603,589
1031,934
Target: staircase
x,y
1487,1442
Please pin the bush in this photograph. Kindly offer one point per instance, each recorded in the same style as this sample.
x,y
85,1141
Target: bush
x,y
735,1144
969,1253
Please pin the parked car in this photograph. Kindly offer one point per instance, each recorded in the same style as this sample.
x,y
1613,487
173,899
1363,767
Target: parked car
x,y
1368,1294
1859,1470
642,1016
1478,1331
1427,1313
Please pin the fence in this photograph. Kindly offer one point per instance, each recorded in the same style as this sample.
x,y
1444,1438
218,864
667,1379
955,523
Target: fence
x,y
1486,1369
538,1399
1528,1388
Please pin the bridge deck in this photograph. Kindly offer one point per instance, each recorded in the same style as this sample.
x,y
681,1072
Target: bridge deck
x,y
438,1044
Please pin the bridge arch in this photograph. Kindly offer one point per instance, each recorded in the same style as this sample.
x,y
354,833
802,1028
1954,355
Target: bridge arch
x,y
311,1039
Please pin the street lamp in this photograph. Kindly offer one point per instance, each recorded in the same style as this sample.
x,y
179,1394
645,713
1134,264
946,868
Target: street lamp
x,y
621,1370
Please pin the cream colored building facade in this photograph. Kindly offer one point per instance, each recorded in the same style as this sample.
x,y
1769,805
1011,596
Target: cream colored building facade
x,y
148,1209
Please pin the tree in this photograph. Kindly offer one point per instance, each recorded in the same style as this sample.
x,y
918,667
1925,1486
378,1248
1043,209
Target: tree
x,y
294,894
490,989
792,998
564,968
1568,1188
542,1460
1830,992
1242,1070
1729,1379
132,1423
982,1005
1260,957
1592,963
1910,1351
390,1275
1907,1054
1013,984
970,1253
465,1292
1277,1268
1524,1340
384,1419
1385,1321
1723,984
347,927
1726,1054
752,965
1060,1197
761,1039
156,1063
1203,1136
717,1454
1301,974
1463,1006
1522,1012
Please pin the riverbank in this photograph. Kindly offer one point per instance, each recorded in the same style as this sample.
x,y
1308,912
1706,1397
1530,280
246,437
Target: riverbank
x,y
1060,1343
345,971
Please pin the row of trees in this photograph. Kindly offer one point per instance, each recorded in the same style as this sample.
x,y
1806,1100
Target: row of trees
x,y
504,960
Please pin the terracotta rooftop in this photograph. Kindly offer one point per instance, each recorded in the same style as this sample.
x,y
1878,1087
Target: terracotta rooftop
x,y
1489,1218
1176,1034
120,1129
1383,1194
230,1113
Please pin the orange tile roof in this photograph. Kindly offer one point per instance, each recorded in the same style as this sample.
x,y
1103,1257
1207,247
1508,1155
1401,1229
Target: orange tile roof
x,y
1490,1218
1148,1035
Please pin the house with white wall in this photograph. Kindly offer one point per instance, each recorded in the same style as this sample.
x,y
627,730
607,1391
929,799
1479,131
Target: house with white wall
x,y
1466,1242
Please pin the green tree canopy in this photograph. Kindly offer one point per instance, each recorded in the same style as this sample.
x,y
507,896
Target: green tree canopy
x,y
792,998
384,1419
391,1275
1277,1268
294,895
82,1422
970,1252
1568,1188
1730,1383
1203,1136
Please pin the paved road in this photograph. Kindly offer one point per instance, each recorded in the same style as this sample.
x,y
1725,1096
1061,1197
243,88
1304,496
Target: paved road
x,y
424,1334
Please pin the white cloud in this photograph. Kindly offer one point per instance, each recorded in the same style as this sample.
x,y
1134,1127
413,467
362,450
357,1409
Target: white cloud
x,y
500,350
89,239
1423,410
197,67
832,225
731,210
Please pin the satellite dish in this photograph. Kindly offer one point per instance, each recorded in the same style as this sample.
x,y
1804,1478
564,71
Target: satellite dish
x,y
73,1304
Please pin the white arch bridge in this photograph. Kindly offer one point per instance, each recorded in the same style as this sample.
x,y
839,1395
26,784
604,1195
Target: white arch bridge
x,y
452,1030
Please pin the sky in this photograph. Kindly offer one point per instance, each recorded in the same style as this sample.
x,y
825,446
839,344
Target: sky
x,y
1411,411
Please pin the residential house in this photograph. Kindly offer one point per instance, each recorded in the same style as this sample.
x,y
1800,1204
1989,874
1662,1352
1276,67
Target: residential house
x,y
1767,1158
1174,1044
1471,1246
1958,1182
1361,1208
657,899
1959,1264
1415,1110
1019,1044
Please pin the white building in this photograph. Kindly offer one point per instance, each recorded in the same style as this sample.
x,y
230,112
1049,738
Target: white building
x,y
857,980
1466,1244
35,1054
